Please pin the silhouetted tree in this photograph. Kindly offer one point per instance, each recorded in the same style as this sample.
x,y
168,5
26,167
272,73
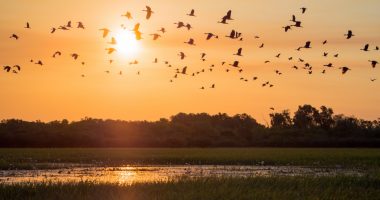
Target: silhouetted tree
x,y
281,120
306,117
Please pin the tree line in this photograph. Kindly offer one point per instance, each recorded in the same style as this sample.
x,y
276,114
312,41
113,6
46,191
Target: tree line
x,y
307,127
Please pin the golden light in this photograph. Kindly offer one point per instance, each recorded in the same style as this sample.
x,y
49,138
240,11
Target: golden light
x,y
127,45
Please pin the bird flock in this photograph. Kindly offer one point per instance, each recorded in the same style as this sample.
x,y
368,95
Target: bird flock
x,y
295,24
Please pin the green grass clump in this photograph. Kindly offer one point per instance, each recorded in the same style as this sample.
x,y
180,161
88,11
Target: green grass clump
x,y
205,188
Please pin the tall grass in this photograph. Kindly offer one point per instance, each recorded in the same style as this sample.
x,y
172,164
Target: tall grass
x,y
30,158
205,188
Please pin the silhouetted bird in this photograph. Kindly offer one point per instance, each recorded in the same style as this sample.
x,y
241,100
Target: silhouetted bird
x,y
7,68
324,42
14,36
110,50
192,13
297,24
307,45
188,26
75,56
105,32
293,18
149,12
53,30
27,25
366,48
329,65
235,64
287,28
182,55
113,41
155,36
57,53
303,9
232,34
163,30
190,42
39,63
80,25
239,53
349,34
211,35
224,20
373,63
344,69
128,15
184,70
180,24
228,16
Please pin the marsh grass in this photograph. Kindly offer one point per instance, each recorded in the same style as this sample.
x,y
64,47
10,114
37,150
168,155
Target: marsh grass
x,y
205,188
38,158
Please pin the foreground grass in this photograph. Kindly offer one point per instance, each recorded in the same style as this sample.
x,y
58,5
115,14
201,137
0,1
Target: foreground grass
x,y
33,158
206,188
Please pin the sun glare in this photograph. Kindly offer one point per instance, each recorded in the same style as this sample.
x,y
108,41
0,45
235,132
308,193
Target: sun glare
x,y
127,45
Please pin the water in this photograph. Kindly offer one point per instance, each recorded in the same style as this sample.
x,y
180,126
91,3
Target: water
x,y
145,174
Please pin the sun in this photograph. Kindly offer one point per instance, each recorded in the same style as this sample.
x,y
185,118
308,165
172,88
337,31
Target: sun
x,y
127,45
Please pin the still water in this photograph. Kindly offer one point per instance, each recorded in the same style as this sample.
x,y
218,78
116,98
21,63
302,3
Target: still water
x,y
145,174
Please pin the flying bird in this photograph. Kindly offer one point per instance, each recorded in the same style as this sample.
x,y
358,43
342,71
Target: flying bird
x,y
155,36
344,70
192,13
39,63
14,36
235,64
303,9
128,15
184,70
110,50
366,48
113,41
75,56
80,25
163,30
373,63
105,32
349,34
57,53
239,53
27,25
149,12
7,68
190,42
182,55
211,35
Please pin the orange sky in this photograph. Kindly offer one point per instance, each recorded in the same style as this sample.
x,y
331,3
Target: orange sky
x,y
57,90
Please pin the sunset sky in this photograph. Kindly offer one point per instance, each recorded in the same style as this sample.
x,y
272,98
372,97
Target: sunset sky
x,y
58,91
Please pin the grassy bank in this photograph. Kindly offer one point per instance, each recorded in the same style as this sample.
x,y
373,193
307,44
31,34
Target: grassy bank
x,y
33,158
206,188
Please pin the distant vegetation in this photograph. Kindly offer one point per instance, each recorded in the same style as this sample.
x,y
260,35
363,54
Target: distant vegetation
x,y
308,127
